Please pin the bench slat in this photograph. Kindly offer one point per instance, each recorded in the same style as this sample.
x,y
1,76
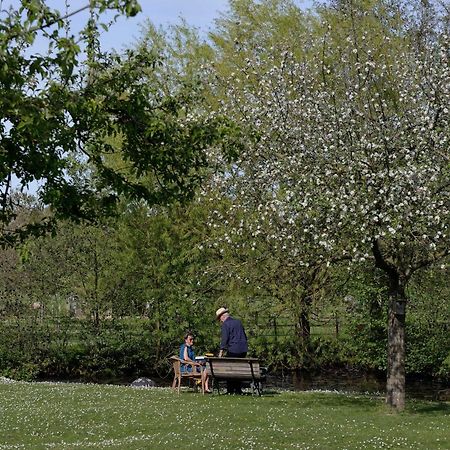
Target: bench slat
x,y
236,376
234,367
220,373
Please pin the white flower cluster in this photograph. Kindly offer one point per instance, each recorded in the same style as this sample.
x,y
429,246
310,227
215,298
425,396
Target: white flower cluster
x,y
352,145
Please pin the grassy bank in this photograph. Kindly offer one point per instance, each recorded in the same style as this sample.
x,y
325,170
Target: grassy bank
x,y
75,416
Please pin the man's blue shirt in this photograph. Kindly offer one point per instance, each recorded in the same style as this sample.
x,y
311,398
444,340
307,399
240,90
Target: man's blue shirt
x,y
233,337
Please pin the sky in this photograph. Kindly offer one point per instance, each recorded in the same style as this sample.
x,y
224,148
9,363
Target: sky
x,y
126,31
198,13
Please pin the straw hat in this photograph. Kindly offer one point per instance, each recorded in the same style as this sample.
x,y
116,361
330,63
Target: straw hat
x,y
221,311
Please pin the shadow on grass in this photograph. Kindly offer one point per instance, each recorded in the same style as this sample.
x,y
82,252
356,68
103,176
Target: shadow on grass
x,y
270,393
339,400
419,407
267,393
370,403
430,408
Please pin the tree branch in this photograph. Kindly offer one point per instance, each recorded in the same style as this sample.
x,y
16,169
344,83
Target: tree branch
x,y
381,263
51,22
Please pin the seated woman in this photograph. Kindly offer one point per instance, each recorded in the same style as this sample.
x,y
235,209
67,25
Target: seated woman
x,y
187,354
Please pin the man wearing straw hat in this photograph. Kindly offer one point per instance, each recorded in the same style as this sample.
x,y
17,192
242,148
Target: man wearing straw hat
x,y
233,340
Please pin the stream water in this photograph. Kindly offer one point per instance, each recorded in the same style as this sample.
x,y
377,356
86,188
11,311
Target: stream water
x,y
426,389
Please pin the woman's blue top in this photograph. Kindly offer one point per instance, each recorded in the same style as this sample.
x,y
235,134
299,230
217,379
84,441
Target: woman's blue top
x,y
191,355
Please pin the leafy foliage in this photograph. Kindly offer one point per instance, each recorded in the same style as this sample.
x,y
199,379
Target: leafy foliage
x,y
62,114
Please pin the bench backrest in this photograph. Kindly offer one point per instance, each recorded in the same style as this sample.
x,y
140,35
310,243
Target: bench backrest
x,y
238,368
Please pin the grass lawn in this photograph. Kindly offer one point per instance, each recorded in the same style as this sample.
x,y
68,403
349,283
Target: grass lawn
x,y
75,416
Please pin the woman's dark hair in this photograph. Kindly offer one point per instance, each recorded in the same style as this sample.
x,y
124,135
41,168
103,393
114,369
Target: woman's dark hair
x,y
188,334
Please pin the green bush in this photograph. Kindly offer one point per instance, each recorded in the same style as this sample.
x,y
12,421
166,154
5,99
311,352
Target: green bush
x,y
327,352
120,349
78,350
426,346
444,369
365,343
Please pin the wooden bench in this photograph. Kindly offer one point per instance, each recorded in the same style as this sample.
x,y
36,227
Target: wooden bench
x,y
243,369
178,375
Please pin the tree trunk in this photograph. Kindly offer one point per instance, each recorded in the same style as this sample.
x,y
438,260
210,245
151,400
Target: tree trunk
x,y
304,325
305,328
395,383
395,386
303,332
158,330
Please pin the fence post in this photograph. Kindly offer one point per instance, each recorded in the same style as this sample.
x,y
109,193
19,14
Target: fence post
x,y
336,324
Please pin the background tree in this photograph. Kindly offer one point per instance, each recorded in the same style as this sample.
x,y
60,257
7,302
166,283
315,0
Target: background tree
x,y
36,132
57,109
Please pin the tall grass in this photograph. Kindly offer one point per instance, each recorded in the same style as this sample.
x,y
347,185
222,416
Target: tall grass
x,y
76,416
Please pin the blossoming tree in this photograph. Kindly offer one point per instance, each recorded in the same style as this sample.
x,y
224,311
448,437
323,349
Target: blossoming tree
x,y
348,151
